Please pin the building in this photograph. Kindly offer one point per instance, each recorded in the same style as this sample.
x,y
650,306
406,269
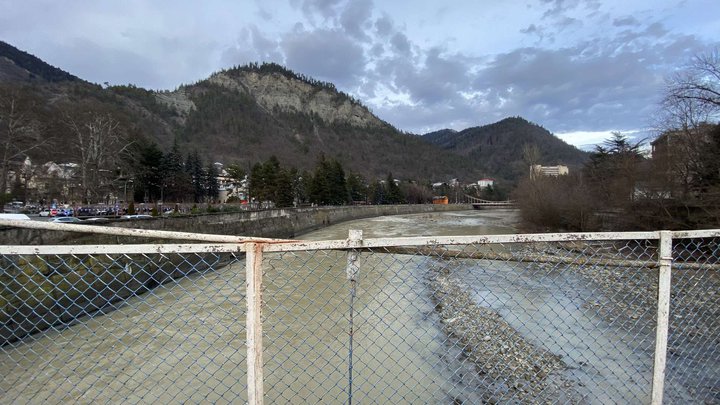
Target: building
x,y
538,170
229,187
485,183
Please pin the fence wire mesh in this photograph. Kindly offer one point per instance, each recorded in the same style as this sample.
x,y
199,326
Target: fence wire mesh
x,y
128,328
440,322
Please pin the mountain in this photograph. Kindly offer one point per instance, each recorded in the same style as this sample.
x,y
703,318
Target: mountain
x,y
245,115
20,66
498,148
250,113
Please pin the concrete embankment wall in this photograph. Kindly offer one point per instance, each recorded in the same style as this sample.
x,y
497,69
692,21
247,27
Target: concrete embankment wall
x,y
281,223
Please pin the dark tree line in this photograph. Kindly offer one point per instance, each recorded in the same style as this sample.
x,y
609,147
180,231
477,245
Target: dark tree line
x,y
328,184
158,176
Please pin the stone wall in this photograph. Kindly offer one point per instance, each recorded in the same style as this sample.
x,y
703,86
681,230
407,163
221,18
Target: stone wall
x,y
281,223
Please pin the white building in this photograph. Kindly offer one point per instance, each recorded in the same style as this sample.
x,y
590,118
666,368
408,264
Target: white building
x,y
538,170
484,183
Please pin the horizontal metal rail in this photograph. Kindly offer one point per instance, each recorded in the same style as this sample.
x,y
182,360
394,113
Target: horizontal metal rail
x,y
141,233
227,243
478,240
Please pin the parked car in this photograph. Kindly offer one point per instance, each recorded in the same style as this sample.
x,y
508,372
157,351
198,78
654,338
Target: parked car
x,y
45,213
65,212
15,217
137,216
66,220
96,220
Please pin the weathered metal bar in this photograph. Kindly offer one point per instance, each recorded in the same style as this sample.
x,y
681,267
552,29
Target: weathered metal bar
x,y
541,258
663,316
352,270
138,233
465,240
253,291
121,249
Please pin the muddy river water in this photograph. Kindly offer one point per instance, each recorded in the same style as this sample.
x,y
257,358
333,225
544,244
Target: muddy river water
x,y
185,341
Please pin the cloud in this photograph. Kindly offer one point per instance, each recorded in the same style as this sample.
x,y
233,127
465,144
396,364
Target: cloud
x,y
326,54
355,16
384,26
594,84
560,7
252,46
626,21
577,65
400,43
99,64
327,9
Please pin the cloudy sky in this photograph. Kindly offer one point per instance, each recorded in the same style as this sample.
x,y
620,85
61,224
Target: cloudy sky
x,y
580,68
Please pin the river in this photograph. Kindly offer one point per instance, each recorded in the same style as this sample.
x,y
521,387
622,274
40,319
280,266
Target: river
x,y
185,341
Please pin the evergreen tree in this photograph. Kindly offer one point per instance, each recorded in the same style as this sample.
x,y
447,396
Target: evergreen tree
x,y
194,168
212,187
148,172
392,194
357,188
256,187
328,186
376,193
338,186
284,195
174,181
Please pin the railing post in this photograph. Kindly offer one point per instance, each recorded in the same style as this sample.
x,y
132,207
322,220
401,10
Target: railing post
x,y
663,316
351,272
253,290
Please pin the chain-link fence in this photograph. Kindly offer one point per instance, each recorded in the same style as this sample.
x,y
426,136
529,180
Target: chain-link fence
x,y
555,318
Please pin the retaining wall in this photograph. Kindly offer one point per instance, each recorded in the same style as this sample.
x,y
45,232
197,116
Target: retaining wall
x,y
280,223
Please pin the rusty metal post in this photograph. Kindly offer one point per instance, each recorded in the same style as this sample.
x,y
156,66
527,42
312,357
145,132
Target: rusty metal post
x,y
352,269
663,316
253,284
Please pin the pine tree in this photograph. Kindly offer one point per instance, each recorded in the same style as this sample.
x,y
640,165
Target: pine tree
x,y
212,187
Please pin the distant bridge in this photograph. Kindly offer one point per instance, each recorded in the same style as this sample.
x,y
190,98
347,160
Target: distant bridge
x,y
479,203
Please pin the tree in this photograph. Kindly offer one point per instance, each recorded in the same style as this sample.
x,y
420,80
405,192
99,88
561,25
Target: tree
x,y
148,174
98,144
196,171
613,169
690,105
357,188
20,131
376,193
212,187
176,183
685,154
236,173
284,195
392,194
328,186
698,84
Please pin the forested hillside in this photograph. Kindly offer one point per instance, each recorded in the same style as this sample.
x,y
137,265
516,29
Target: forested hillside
x,y
240,117
499,148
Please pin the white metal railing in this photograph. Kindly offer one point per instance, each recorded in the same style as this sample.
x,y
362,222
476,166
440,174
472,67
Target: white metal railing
x,y
525,254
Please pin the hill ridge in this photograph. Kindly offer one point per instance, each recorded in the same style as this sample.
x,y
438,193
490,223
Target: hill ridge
x,y
29,67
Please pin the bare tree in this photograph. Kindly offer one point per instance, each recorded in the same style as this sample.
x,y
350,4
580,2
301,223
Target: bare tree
x,y
699,82
98,144
20,132
690,105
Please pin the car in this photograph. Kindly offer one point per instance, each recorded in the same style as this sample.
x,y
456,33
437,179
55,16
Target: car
x,y
96,220
15,217
66,220
45,213
137,216
65,212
